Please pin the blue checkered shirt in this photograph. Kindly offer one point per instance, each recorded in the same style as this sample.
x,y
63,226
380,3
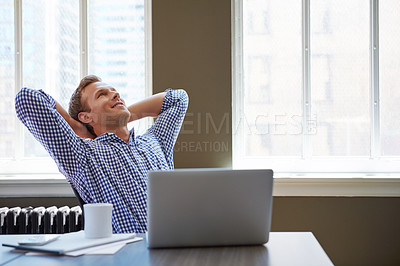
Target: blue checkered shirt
x,y
107,169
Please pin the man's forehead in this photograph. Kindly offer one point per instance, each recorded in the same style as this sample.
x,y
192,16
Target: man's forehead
x,y
100,85
92,88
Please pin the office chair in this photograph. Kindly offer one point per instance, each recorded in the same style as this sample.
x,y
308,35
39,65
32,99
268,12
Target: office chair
x,y
78,197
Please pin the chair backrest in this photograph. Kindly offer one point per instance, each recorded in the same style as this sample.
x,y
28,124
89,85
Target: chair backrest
x,y
78,197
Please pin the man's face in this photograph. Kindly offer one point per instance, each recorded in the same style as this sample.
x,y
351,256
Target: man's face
x,y
107,109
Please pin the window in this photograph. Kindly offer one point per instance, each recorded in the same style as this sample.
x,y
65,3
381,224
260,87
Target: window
x,y
315,86
51,45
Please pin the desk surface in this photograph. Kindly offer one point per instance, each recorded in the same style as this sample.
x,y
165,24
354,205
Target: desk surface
x,y
295,248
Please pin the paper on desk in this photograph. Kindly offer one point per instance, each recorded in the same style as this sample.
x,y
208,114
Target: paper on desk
x,y
70,242
107,249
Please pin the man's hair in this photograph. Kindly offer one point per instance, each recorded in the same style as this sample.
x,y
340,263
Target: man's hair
x,y
76,105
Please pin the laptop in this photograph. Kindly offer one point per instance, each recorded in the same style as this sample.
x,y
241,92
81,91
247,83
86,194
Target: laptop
x,y
209,207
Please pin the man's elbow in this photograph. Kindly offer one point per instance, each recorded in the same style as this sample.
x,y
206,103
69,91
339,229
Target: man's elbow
x,y
184,98
21,102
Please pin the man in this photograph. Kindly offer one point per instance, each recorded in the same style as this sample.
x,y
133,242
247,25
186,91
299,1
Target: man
x,y
95,151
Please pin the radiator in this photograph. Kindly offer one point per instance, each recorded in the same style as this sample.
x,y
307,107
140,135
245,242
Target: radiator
x,y
41,220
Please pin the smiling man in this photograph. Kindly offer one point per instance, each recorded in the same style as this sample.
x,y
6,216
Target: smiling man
x,y
95,151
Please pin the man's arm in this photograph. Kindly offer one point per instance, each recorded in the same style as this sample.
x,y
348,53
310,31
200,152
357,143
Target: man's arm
x,y
78,127
168,124
37,111
149,107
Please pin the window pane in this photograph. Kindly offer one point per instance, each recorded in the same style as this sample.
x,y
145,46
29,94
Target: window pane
x,y
117,45
7,72
389,75
272,62
340,85
51,53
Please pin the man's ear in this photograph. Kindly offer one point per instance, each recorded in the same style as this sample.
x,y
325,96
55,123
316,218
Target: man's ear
x,y
85,117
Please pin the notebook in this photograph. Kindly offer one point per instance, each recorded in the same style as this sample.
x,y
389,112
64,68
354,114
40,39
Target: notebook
x,y
67,243
209,207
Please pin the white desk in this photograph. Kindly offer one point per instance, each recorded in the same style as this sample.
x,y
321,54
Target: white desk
x,y
283,249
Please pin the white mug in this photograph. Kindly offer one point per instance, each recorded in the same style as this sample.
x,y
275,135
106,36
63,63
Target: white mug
x,y
97,219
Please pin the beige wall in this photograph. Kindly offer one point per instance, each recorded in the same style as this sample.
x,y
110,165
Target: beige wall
x,y
191,50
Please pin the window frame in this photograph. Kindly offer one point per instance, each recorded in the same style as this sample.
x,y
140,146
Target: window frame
x,y
32,170
305,165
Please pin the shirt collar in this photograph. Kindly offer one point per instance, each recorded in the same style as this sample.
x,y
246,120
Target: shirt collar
x,y
132,137
111,137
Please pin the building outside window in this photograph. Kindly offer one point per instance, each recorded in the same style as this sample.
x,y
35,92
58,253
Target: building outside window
x,y
51,48
324,76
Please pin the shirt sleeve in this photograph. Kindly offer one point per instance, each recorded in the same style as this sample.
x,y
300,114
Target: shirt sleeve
x,y
168,123
37,111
